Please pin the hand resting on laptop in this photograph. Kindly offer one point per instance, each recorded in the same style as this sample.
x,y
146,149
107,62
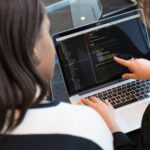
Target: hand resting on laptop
x,y
140,70
105,109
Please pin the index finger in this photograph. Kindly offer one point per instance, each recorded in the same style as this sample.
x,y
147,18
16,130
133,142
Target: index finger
x,y
123,62
88,102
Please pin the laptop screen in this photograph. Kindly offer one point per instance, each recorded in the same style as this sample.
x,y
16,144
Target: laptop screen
x,y
86,54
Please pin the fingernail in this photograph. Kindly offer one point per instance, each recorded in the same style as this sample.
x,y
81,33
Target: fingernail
x,y
123,76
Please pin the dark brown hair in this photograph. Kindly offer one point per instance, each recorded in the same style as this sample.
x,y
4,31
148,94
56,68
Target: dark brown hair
x,y
20,24
145,5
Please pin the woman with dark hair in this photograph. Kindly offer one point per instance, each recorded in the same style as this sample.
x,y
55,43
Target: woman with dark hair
x,y
27,121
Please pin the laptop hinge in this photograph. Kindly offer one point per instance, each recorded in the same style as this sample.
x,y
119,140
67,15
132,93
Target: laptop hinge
x,y
101,86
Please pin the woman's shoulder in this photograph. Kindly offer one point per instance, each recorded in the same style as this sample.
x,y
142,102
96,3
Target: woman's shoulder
x,y
81,112
68,113
86,122
68,119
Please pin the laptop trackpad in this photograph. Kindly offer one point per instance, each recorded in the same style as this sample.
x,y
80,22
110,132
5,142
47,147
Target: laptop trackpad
x,y
130,118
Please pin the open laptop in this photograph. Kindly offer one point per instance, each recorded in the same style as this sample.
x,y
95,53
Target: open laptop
x,y
86,59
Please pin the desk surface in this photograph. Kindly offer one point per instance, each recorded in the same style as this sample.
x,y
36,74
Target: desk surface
x,y
67,14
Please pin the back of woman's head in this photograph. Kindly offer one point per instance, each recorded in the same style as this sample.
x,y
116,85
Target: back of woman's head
x,y
20,22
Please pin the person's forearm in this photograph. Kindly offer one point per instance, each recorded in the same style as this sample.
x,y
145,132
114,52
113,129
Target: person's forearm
x,y
114,127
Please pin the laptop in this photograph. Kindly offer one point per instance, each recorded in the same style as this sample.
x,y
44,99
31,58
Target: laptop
x,y
86,60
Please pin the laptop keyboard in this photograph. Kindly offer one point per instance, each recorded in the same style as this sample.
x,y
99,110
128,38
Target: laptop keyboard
x,y
126,93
